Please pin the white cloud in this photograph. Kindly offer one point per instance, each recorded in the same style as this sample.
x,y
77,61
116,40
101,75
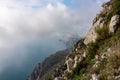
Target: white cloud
x,y
23,23
28,23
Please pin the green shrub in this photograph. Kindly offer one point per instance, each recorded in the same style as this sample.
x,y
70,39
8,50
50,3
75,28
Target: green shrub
x,y
116,7
92,49
108,18
103,33
113,40
79,70
115,10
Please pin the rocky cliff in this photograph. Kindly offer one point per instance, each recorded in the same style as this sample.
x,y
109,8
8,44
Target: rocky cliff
x,y
105,18
97,56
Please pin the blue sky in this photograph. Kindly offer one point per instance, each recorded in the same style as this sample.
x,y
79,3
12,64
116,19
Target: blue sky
x,y
31,29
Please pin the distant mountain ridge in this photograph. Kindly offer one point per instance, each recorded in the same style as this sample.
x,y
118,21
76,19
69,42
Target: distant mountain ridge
x,y
48,63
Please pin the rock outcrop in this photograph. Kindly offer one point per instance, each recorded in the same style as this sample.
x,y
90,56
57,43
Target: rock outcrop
x,y
100,21
92,34
114,23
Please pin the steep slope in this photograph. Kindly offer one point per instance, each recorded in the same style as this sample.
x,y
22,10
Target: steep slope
x,y
99,59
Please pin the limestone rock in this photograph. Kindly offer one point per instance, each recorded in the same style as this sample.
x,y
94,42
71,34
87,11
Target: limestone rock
x,y
84,55
96,64
117,77
57,78
94,77
92,34
106,8
114,23
70,63
75,64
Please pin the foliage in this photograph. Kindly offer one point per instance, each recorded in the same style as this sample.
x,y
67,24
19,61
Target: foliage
x,y
92,49
115,10
115,7
82,66
103,33
79,70
113,40
108,71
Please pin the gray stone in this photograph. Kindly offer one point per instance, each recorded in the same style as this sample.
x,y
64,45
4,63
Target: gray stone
x,y
94,77
106,7
104,55
92,34
75,59
117,77
96,64
114,23
84,55
96,57
70,64
57,78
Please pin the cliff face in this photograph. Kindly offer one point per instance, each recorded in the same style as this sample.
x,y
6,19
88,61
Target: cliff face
x,y
97,56
102,20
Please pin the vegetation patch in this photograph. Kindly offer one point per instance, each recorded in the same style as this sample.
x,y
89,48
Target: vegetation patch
x,y
115,7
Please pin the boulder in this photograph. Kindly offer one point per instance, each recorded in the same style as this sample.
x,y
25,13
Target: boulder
x,y
114,23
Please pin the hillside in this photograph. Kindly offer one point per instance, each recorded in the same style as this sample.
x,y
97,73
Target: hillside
x,y
97,56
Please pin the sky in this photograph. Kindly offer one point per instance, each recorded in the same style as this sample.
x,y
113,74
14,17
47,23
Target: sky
x,y
30,30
